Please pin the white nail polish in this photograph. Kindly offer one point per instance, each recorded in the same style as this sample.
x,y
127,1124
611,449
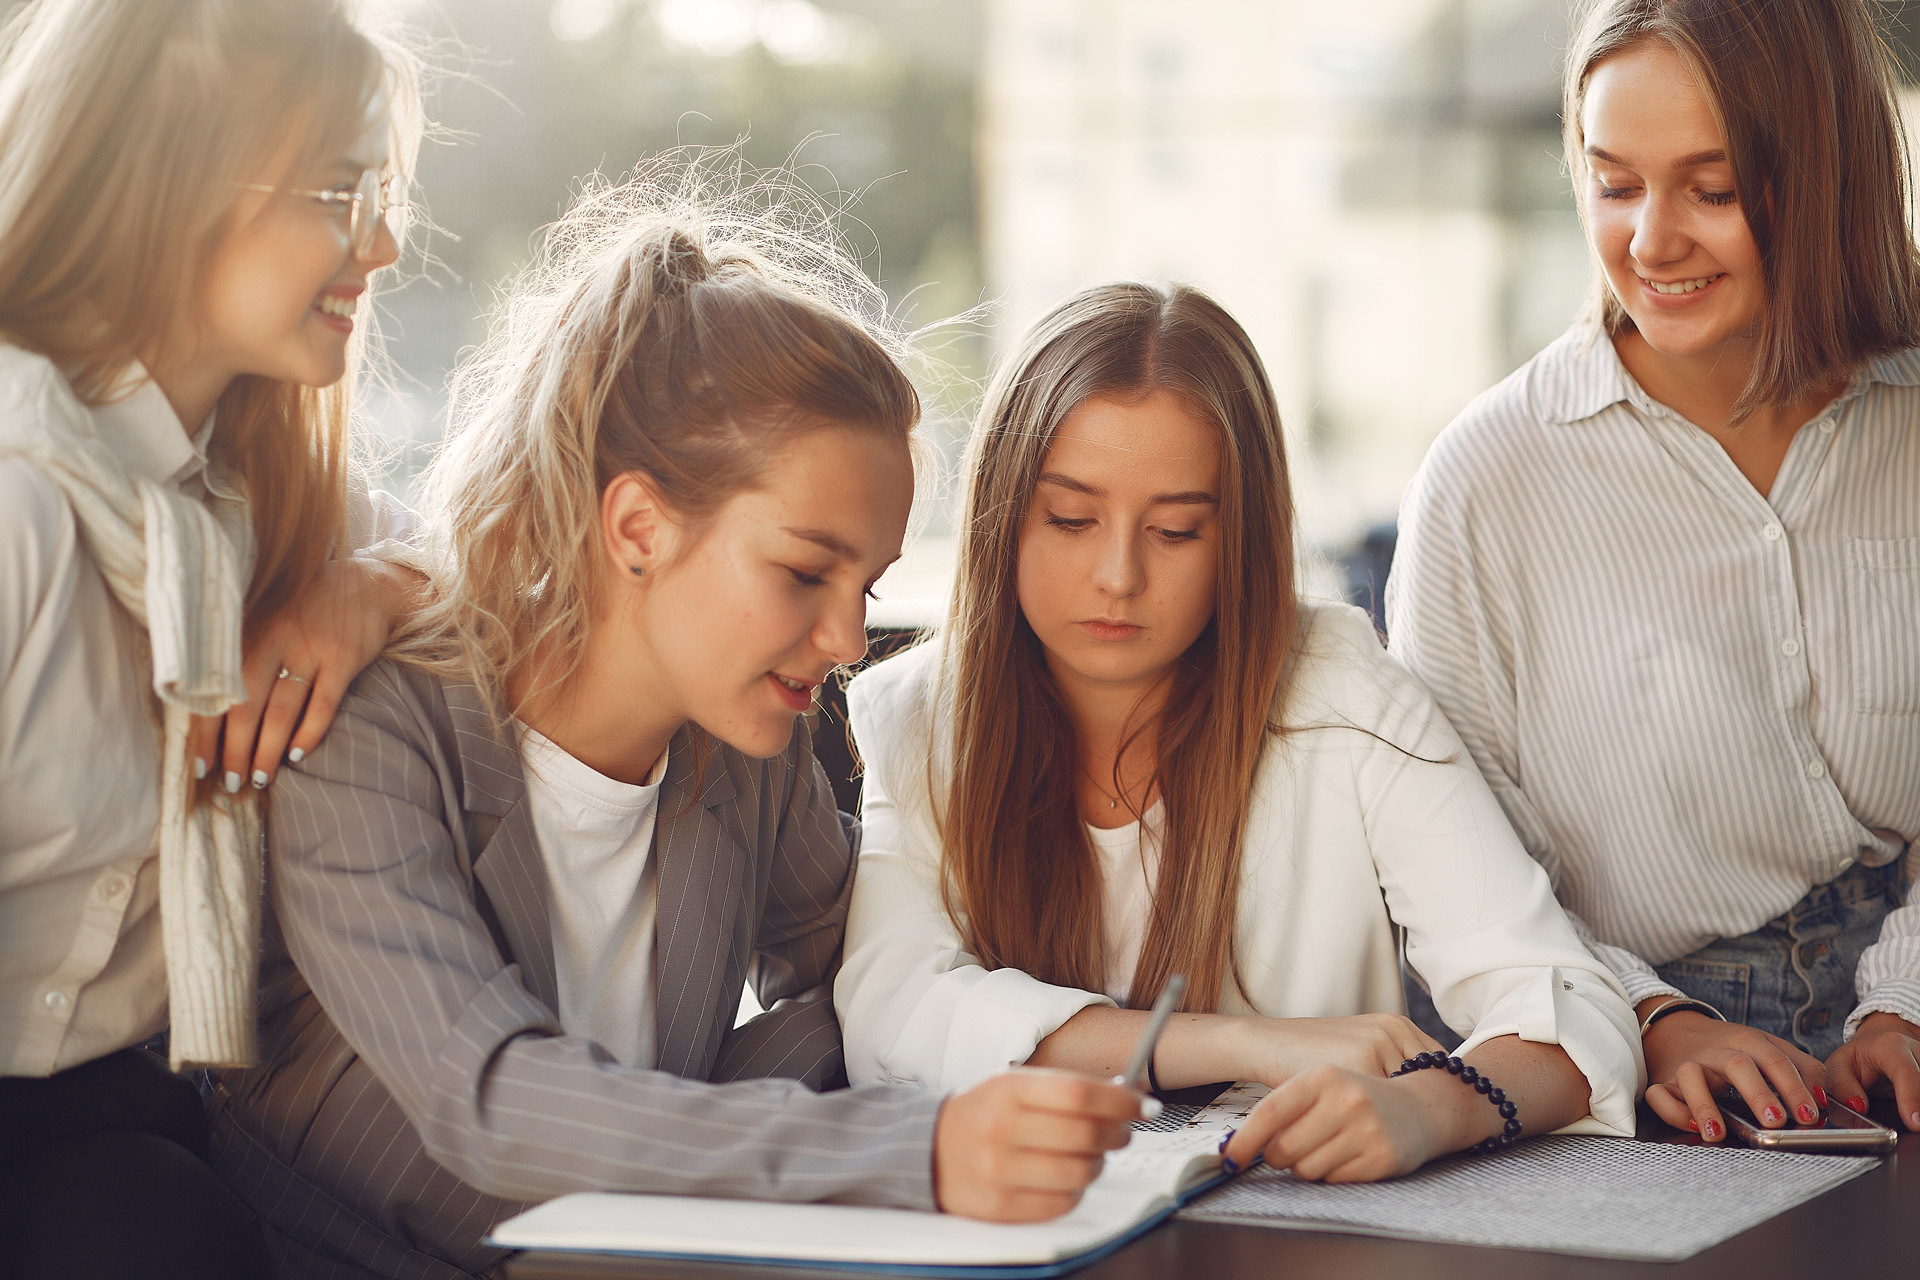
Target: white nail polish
x,y
296,755
1150,1109
199,769
259,779
233,783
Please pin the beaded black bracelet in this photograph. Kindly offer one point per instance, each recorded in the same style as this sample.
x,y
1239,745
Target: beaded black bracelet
x,y
1480,1084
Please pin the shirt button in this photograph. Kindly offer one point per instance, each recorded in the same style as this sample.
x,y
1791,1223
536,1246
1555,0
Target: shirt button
x,y
1770,532
1826,426
113,888
56,1000
1790,647
1815,769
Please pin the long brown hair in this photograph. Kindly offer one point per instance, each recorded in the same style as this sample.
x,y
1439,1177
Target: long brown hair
x,y
1803,91
124,126
684,325
1021,881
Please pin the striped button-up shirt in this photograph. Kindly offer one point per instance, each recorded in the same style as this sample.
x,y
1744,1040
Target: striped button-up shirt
x,y
1695,701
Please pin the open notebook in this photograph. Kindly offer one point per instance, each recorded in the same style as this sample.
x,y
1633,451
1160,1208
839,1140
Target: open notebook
x,y
1142,1183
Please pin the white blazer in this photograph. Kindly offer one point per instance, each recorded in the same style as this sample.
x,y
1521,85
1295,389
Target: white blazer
x,y
1347,837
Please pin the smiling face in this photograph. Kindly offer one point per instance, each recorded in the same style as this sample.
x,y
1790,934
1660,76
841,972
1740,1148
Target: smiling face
x,y
745,620
1660,206
280,292
1121,541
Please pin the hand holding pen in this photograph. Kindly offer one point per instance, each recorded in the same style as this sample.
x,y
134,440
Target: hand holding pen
x,y
1023,1145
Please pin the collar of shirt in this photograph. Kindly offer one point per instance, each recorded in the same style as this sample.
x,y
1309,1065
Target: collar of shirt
x,y
143,431
1599,379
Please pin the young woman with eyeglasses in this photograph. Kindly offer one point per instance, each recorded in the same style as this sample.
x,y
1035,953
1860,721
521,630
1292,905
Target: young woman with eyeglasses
x,y
193,196
1665,579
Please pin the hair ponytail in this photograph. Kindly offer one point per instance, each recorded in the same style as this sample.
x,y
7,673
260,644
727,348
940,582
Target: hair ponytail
x,y
665,329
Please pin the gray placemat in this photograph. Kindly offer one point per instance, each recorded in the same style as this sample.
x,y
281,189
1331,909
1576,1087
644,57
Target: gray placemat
x,y
1175,1117
1597,1197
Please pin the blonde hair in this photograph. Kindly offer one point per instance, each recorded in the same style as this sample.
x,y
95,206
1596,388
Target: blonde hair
x,y
1803,90
684,325
124,127
1020,879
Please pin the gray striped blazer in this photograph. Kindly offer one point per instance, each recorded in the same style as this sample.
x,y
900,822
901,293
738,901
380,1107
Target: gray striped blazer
x,y
416,1085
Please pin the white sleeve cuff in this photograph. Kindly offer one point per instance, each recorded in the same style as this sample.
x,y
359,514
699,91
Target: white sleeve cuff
x,y
1897,996
986,1021
1597,1030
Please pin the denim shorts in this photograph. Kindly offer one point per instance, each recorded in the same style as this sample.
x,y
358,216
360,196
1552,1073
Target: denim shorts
x,y
1793,976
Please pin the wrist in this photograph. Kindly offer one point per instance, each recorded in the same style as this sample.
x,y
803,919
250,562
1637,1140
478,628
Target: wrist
x,y
1452,1109
397,590
1881,1023
1200,1048
1251,1049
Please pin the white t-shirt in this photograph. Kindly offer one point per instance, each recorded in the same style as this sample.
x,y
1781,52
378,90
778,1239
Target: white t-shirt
x,y
596,840
1129,865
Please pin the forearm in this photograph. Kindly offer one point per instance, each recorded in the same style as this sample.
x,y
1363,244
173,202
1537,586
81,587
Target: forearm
x,y
1547,1090
1195,1048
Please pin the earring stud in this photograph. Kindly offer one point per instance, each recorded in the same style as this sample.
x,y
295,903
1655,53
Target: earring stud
x,y
637,571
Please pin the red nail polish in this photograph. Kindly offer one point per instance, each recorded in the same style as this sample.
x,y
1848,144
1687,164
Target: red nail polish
x,y
1807,1114
1858,1104
1694,1125
1712,1130
1820,1095
1770,1115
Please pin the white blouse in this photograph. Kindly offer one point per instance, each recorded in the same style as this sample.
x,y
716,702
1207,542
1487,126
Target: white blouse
x,y
1347,838
82,971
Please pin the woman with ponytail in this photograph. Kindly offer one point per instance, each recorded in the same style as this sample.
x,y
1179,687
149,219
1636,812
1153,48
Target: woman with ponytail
x,y
523,881
191,199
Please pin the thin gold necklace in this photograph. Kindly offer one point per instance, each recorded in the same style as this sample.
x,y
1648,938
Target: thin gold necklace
x,y
1113,801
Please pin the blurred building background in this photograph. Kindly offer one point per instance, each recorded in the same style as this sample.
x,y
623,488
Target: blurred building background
x,y
1374,187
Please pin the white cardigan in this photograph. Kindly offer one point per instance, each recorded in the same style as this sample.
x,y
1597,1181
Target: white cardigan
x,y
1347,837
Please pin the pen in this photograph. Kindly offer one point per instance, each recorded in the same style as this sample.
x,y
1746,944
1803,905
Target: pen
x,y
1135,1077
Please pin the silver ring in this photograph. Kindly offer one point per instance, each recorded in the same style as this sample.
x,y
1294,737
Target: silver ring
x,y
288,675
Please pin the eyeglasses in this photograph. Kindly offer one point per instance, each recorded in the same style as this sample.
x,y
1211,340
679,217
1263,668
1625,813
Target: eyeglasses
x,y
372,199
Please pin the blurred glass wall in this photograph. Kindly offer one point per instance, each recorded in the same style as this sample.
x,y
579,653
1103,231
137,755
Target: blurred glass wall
x,y
1374,187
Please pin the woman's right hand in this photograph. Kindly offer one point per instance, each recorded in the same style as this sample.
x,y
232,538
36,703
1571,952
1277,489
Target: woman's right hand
x,y
1023,1145
1691,1058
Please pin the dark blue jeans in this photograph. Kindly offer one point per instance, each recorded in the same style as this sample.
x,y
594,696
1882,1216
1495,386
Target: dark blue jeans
x,y
1793,976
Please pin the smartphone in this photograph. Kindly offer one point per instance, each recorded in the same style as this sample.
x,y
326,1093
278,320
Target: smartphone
x,y
1841,1130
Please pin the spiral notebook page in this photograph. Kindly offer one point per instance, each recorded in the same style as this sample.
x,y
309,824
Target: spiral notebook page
x,y
1595,1197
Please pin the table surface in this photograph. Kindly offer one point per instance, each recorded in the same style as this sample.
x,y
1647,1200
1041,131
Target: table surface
x,y
1868,1227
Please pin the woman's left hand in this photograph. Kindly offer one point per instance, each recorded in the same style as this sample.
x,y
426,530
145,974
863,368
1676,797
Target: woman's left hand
x,y
1329,1124
298,666
1884,1051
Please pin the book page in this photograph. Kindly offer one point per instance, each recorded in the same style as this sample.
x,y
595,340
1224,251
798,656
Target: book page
x,y
1182,1148
689,1226
1139,1180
